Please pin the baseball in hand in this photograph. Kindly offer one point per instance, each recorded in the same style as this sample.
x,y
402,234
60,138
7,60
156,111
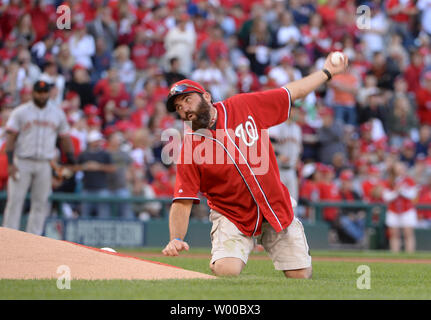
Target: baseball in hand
x,y
337,58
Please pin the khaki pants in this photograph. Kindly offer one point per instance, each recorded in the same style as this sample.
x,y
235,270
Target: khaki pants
x,y
288,249
36,176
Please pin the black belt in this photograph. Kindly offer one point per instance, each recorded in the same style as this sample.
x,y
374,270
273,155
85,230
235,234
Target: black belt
x,y
33,159
285,167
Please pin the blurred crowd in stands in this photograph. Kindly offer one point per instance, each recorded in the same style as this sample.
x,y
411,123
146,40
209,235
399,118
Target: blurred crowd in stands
x,y
366,130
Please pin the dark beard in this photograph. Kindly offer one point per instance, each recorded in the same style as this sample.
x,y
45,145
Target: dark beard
x,y
203,116
40,102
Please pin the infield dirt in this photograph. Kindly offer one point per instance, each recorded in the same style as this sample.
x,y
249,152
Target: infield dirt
x,y
28,256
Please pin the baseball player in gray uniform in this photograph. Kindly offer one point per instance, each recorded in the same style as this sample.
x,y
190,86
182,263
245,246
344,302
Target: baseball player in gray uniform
x,y
31,135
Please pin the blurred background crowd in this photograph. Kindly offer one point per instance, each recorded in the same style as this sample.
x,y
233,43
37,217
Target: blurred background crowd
x,y
366,130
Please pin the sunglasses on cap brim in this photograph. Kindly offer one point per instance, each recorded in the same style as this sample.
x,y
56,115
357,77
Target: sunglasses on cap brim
x,y
181,88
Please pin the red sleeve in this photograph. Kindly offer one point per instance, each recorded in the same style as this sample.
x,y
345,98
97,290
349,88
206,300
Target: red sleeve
x,y
390,4
187,182
269,108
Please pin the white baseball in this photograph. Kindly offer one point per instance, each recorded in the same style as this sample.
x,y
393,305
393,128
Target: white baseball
x,y
337,58
108,249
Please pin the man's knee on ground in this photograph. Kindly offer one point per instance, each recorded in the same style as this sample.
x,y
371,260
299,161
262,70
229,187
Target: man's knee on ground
x,y
299,273
227,267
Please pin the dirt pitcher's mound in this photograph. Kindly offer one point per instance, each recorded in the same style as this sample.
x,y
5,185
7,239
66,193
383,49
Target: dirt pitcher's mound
x,y
27,256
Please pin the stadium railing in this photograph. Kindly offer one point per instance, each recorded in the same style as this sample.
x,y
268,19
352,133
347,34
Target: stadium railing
x,y
375,212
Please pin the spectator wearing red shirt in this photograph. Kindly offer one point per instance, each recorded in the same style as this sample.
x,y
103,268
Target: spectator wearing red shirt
x,y
162,185
41,16
140,52
424,215
9,50
400,192
340,27
3,167
315,37
247,80
366,142
308,187
5,112
414,70
10,15
401,12
101,88
155,22
115,100
328,192
216,46
202,27
143,110
372,186
328,11
423,100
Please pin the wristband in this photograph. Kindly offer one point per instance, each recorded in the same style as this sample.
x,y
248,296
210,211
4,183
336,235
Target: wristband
x,y
9,157
328,74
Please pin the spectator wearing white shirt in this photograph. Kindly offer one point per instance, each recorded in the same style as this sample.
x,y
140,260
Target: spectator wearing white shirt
x,y
425,7
287,141
125,66
211,77
180,42
50,74
288,34
285,72
373,38
27,73
82,45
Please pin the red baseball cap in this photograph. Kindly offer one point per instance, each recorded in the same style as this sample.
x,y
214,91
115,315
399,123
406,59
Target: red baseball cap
x,y
182,87
325,111
78,67
109,130
372,169
91,110
408,144
124,125
366,127
71,94
346,175
94,121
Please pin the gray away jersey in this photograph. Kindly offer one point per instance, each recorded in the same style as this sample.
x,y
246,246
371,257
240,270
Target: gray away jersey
x,y
37,130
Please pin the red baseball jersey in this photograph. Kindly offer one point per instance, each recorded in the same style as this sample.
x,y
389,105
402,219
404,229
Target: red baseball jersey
x,y
424,198
329,192
368,186
234,166
400,204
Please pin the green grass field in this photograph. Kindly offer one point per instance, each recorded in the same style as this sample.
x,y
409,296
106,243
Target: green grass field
x,y
259,280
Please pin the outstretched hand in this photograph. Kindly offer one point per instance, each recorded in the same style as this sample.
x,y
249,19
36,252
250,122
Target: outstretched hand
x,y
336,69
174,247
